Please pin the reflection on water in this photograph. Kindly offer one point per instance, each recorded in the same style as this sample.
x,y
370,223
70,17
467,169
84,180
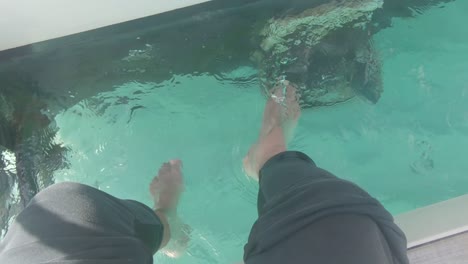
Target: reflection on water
x,y
108,115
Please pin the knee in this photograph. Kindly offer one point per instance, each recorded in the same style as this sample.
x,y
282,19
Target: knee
x,y
63,189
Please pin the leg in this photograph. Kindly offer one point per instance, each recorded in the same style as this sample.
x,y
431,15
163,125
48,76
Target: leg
x,y
75,222
279,122
166,189
306,214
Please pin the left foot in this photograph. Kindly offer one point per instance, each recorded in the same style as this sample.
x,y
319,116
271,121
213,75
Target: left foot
x,y
180,238
167,187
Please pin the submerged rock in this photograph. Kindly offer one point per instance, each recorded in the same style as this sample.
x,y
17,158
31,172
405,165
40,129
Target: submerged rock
x,y
326,50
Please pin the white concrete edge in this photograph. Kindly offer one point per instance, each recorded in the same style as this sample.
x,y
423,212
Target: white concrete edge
x,y
434,222
24,22
435,237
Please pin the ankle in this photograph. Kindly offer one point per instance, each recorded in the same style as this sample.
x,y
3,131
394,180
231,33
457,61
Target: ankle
x,y
272,151
163,217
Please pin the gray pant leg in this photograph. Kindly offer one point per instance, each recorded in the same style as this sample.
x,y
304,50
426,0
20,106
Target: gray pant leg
x,y
70,221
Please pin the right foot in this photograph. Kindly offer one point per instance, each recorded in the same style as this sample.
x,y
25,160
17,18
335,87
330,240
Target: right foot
x,y
279,121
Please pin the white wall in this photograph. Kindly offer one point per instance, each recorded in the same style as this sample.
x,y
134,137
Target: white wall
x,y
27,21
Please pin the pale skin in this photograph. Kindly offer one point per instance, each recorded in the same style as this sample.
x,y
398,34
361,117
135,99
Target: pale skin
x,y
166,189
279,122
280,117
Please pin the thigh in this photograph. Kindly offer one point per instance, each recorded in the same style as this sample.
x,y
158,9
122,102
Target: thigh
x,y
295,195
350,239
70,219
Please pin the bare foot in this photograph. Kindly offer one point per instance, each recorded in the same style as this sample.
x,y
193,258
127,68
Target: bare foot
x,y
280,118
167,187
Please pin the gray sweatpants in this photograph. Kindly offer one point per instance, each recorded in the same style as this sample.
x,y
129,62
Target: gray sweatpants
x,y
74,223
307,215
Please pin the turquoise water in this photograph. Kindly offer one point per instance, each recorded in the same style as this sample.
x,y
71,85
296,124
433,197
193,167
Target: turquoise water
x,y
408,150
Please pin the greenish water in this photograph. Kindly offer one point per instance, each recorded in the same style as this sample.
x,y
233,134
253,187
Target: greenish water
x,y
409,150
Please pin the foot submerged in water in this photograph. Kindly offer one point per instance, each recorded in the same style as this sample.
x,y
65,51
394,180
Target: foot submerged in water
x,y
280,117
166,189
